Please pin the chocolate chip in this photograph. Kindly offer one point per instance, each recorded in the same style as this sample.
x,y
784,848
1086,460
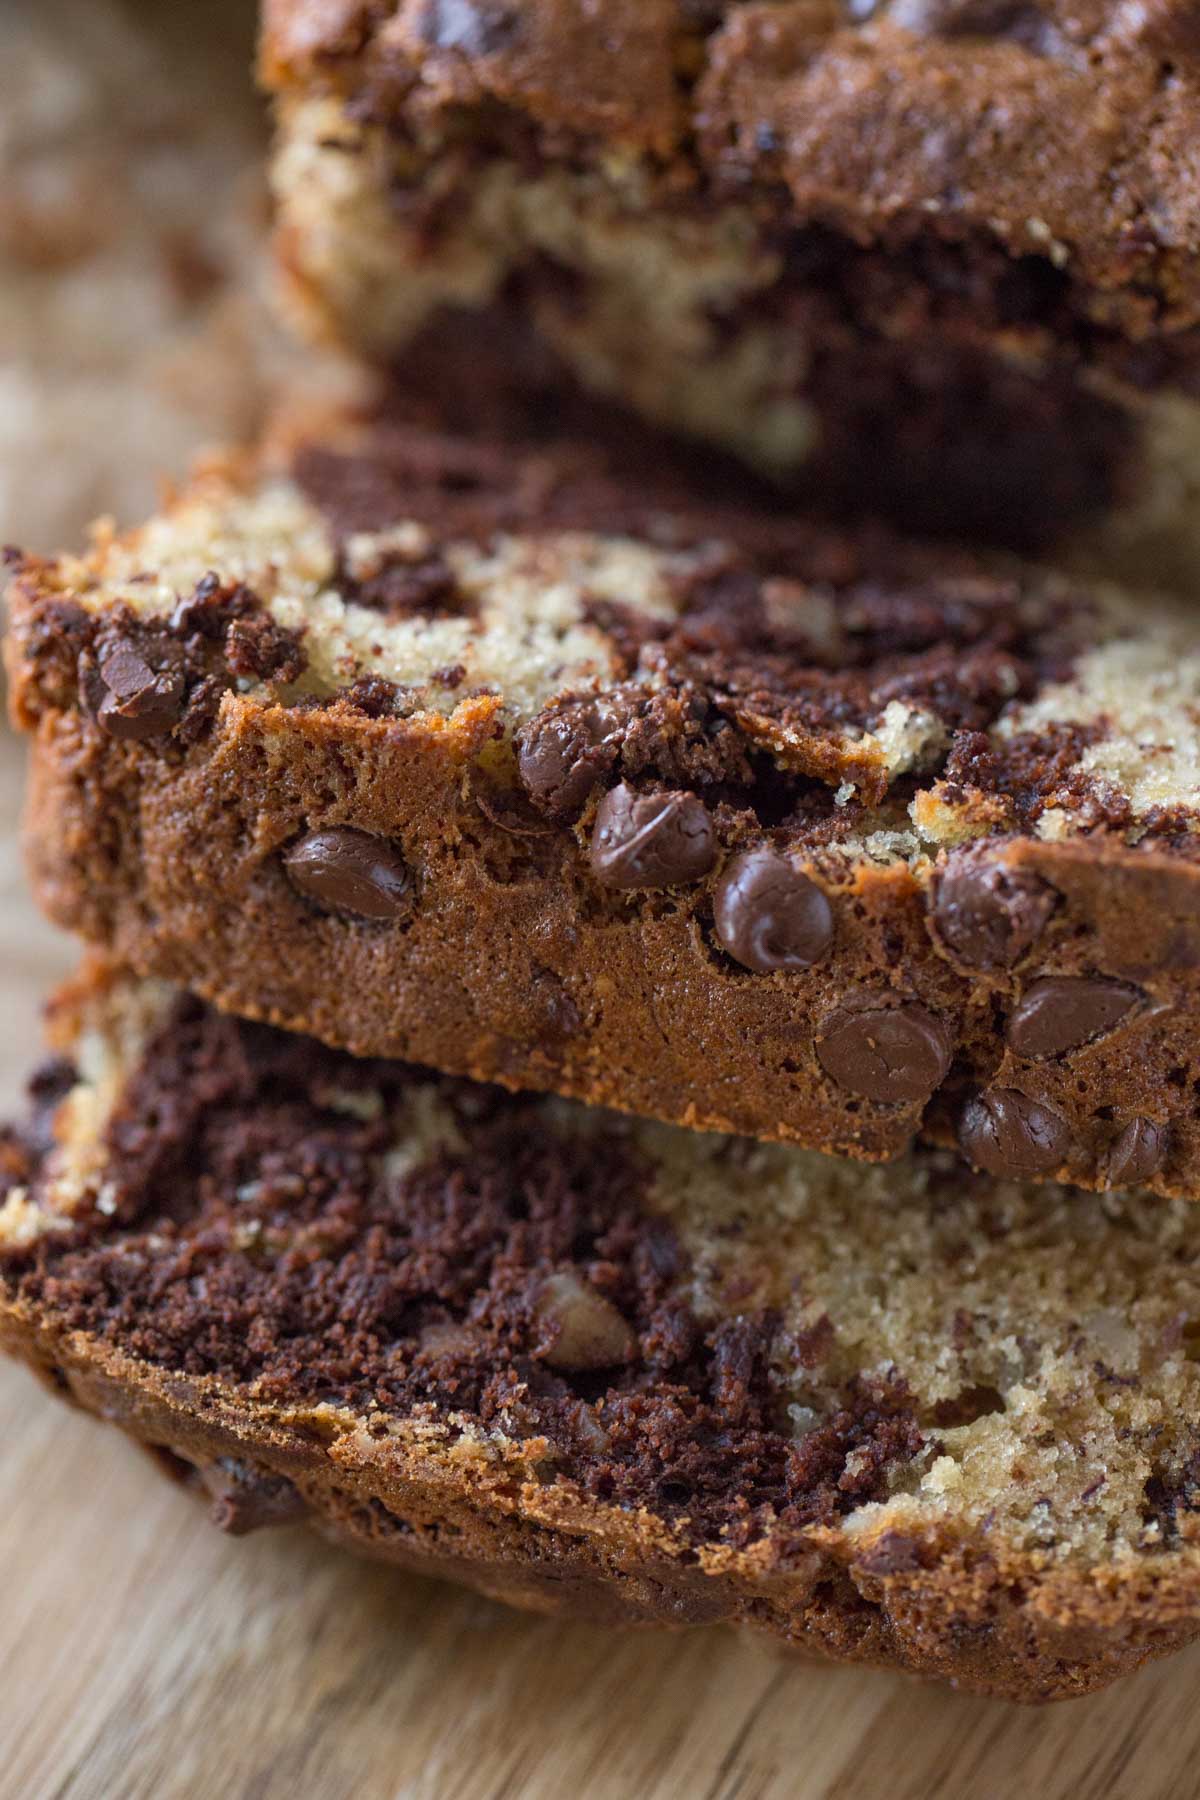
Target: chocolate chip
x,y
555,1014
1007,1133
1021,21
587,1331
1172,27
476,27
563,754
209,607
137,701
1061,1012
886,1053
769,915
987,915
651,840
1138,1153
247,1499
351,872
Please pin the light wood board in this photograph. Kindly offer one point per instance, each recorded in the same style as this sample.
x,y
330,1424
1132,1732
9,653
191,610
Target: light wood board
x,y
143,1654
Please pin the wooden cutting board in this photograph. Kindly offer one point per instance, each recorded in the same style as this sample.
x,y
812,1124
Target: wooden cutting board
x,y
143,1654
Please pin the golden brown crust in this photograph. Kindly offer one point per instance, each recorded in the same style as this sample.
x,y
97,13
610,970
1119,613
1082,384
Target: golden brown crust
x,y
408,1497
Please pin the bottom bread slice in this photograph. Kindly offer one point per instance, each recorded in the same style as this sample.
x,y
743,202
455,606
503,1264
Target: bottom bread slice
x,y
901,1415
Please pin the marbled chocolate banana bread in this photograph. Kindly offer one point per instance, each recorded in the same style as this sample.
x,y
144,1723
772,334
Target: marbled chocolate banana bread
x,y
908,1416
937,256
525,770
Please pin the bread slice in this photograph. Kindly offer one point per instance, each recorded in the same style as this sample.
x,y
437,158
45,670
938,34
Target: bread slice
x,y
934,255
518,768
904,1416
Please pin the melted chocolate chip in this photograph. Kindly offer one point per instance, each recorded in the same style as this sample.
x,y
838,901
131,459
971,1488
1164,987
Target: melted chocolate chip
x,y
769,915
556,1014
351,872
563,755
651,840
1007,1133
1018,20
886,1053
476,27
1138,1153
136,700
210,606
986,915
1059,1013
247,1499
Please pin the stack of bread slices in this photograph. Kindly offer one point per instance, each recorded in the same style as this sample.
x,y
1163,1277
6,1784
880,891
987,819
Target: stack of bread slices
x,y
641,1041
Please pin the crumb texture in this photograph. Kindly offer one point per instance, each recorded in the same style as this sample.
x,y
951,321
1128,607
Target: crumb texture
x,y
668,1327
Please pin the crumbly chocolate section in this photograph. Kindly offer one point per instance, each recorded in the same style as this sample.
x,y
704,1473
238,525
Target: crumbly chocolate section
x,y
162,678
521,448
919,419
252,1230
24,1145
922,414
1034,770
405,588
752,665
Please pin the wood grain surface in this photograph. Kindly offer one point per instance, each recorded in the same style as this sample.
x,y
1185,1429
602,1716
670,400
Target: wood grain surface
x,y
143,1654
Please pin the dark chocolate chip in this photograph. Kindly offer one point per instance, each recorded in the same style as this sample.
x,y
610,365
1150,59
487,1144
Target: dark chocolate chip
x,y
1021,21
1061,1012
769,915
987,915
137,701
475,27
555,1015
886,1053
1007,1133
651,840
351,872
209,607
563,754
247,1499
1138,1153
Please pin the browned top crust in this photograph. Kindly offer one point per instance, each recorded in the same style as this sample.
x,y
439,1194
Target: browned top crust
x,y
1067,130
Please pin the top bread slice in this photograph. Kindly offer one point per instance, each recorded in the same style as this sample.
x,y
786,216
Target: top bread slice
x,y
941,256
540,767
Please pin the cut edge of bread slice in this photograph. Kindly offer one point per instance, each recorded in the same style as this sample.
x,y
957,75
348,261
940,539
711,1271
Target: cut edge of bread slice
x,y
899,1415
